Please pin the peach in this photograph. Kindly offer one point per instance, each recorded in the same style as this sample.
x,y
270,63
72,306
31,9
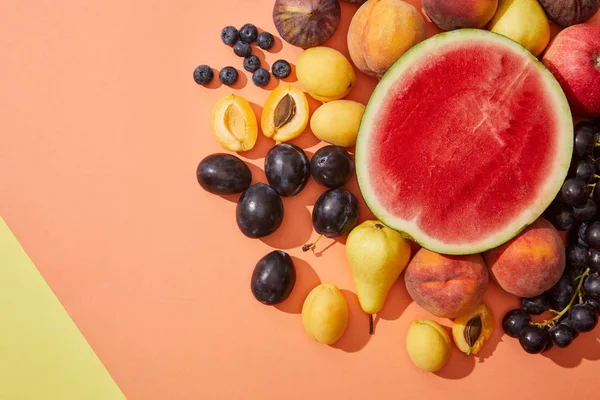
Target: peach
x,y
456,14
446,286
574,59
380,32
530,263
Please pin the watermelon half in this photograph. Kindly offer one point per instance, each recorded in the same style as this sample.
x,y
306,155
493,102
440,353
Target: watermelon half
x,y
465,141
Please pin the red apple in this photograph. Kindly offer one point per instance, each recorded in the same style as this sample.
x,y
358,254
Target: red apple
x,y
574,59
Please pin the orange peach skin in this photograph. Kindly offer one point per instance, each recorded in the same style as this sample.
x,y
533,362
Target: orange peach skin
x,y
530,263
380,32
446,286
456,14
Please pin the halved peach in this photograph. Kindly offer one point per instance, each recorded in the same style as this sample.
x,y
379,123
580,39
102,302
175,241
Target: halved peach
x,y
285,114
234,123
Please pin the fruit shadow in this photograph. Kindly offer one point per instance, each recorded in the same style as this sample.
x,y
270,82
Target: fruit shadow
x,y
292,77
296,227
306,280
396,303
356,336
263,143
242,80
459,365
585,346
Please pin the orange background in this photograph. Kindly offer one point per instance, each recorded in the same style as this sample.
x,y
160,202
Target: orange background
x,y
102,129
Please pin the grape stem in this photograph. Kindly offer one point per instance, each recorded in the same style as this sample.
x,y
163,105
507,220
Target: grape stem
x,y
312,245
552,322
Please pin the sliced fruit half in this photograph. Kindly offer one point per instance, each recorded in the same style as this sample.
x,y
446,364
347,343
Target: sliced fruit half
x,y
234,123
285,114
465,141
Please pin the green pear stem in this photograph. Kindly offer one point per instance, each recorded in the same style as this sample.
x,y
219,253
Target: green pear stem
x,y
370,324
312,245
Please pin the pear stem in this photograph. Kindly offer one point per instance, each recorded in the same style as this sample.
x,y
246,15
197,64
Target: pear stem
x,y
370,324
378,226
312,245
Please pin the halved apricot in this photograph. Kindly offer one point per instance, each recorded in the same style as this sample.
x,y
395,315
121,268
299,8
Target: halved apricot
x,y
285,114
472,330
234,123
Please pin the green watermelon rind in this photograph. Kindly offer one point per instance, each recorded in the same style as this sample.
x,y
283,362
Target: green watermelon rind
x,y
530,215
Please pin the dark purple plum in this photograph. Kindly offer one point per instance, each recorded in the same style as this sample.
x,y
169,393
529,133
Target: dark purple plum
x,y
287,169
273,278
259,211
332,166
223,174
335,214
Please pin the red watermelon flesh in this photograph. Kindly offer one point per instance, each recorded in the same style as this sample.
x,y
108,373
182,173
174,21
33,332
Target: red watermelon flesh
x,y
464,142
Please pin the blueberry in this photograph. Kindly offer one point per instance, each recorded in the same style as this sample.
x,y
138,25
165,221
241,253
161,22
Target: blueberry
x,y
229,35
242,49
203,74
228,76
248,33
261,77
265,40
281,69
251,63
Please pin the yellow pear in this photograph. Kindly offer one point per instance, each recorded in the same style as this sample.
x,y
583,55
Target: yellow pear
x,y
377,256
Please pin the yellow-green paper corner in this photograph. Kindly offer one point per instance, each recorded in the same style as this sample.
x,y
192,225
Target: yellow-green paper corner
x,y
43,356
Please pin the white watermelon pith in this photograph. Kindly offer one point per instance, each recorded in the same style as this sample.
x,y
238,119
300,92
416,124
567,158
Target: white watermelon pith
x,y
465,141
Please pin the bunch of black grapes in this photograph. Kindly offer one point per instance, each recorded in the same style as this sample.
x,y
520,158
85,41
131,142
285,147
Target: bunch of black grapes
x,y
574,301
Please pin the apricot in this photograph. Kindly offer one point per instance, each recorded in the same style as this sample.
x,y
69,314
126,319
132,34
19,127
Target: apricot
x,y
325,73
285,114
456,14
530,263
472,330
446,286
428,345
325,313
234,123
380,32
338,122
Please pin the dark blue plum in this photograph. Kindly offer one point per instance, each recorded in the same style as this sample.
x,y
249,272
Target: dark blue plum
x,y
273,278
332,166
259,211
223,174
287,169
335,213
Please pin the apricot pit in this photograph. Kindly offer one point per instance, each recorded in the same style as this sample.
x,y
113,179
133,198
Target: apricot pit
x,y
285,114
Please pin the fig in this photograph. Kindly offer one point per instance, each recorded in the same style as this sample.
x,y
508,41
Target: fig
x,y
356,1
306,23
570,12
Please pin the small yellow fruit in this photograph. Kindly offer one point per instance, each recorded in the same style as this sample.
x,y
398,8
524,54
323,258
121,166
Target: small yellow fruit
x,y
471,331
325,73
428,345
337,122
325,313
285,114
523,21
234,123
